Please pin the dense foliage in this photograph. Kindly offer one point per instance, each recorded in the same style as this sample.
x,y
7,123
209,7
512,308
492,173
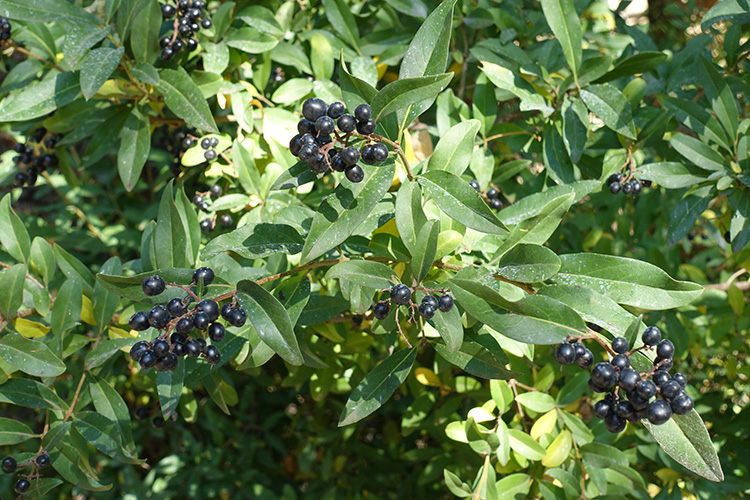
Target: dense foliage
x,y
209,289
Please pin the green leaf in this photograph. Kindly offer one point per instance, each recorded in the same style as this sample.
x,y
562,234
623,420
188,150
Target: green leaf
x,y
671,175
402,93
524,445
31,394
11,283
686,211
575,127
626,281
247,172
378,386
611,107
603,455
14,432
455,485
453,152
641,62
721,97
507,79
270,319
67,308
171,234
110,404
460,201
563,20
130,286
169,386
186,100
42,258
97,67
699,153
135,145
145,40
105,350
343,211
39,99
104,434
739,227
532,205
450,329
538,229
539,402
126,16
321,57
297,175
340,16
364,273
556,158
13,234
527,263
250,40
736,11
30,356
685,439
74,268
43,11
475,359
425,250
79,38
534,319
254,241
104,302
410,216
696,118
55,434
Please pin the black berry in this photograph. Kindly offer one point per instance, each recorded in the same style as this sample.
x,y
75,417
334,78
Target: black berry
x,y
206,225
366,128
201,320
314,108
42,460
355,173
22,486
137,350
215,191
646,389
176,307
148,360
651,336
614,423
205,273
426,311
347,123
602,408
167,11
226,220
363,112
381,310
9,464
682,404
212,354
401,294
629,379
153,285
237,317
158,317
659,412
620,345
660,377
350,155
184,326
210,307
210,155
160,347
604,375
565,353
445,302
680,379
325,125
216,332
336,109
670,389
475,184
665,349
139,322
621,361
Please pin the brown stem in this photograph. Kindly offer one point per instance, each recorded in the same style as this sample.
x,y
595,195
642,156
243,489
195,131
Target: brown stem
x,y
31,54
398,325
71,409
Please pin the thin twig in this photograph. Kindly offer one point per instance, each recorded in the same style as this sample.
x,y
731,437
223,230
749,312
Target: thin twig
x,y
31,54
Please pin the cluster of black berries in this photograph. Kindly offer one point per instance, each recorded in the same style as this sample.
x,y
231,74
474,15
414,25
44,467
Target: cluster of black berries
x,y
325,127
492,195
199,200
655,395
627,184
401,296
190,21
36,155
38,462
5,28
165,351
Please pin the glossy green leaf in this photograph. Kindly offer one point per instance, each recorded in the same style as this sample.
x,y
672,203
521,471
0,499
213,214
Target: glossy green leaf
x,y
698,119
97,67
671,175
453,152
30,356
110,404
13,234
31,394
686,211
449,326
341,18
103,434
532,205
410,216
104,303
254,241
145,40
185,99
611,107
685,439
39,99
512,82
12,280
527,263
460,201
14,432
736,11
247,172
603,455
636,64
42,258
378,386
559,165
270,319
524,445
539,402
169,386
721,97
343,211
250,40
697,152
563,20
170,236
364,273
130,286
475,359
127,14
135,145
626,281
402,93
575,127
67,308
425,250
105,350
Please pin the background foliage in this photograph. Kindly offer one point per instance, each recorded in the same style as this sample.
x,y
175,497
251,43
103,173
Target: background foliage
x,y
543,100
